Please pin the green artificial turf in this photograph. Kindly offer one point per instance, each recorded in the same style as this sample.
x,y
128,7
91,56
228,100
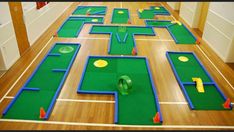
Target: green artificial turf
x,y
157,23
93,10
150,13
181,34
120,18
121,48
146,14
137,108
73,26
161,10
211,99
27,105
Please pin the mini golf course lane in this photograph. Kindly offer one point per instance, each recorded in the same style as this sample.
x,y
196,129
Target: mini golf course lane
x,y
120,16
150,13
212,98
73,25
160,10
122,37
140,105
44,85
92,10
179,33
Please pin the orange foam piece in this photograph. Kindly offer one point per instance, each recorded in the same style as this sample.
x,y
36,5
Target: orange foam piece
x,y
56,35
197,41
129,22
88,13
156,118
134,51
42,113
227,103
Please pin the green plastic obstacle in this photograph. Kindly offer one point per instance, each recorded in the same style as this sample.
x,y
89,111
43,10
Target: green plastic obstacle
x,y
187,68
118,34
66,49
120,16
124,85
179,32
105,79
72,27
44,85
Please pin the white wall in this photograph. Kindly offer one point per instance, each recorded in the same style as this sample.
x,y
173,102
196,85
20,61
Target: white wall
x,y
9,52
190,12
5,15
174,5
219,29
38,21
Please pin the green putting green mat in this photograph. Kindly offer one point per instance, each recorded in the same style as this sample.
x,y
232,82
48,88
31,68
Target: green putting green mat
x,y
72,27
180,33
146,14
44,85
91,10
160,10
158,23
122,37
139,106
150,13
120,16
211,99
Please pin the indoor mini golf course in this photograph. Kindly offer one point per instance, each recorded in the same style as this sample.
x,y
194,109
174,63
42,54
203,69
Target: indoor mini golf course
x,y
122,39
127,78
42,88
186,67
90,10
140,105
73,25
178,31
150,13
120,16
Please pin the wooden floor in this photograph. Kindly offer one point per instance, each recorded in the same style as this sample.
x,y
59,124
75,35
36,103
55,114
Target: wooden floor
x,y
78,111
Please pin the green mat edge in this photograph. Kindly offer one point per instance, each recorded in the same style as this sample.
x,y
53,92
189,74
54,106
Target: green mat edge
x,y
180,82
60,85
116,93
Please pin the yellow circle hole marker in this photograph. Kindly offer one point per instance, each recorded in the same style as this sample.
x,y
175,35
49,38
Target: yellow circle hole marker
x,y
100,63
178,22
120,12
94,20
157,8
140,10
183,58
